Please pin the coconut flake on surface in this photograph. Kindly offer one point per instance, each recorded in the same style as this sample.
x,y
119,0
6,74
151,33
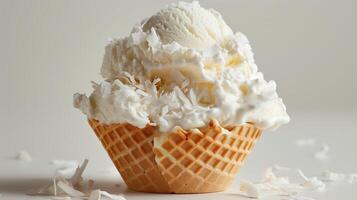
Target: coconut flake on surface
x,y
65,189
98,194
332,176
249,189
23,156
322,154
65,167
64,163
280,168
305,142
329,176
68,189
273,185
352,178
61,186
312,183
77,176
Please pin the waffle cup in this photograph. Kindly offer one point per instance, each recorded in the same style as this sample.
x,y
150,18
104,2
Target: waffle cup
x,y
195,161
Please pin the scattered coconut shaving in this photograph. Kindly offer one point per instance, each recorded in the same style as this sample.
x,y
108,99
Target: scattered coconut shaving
x,y
23,156
98,194
305,142
280,168
69,190
312,183
329,176
322,154
65,189
64,163
77,176
352,178
65,167
249,189
273,185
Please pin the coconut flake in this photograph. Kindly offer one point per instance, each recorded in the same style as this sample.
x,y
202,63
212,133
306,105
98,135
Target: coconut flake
x,y
273,185
322,154
280,168
112,196
305,142
249,189
65,171
77,176
352,178
97,195
64,163
329,176
312,183
61,186
23,156
332,176
65,167
68,189
65,189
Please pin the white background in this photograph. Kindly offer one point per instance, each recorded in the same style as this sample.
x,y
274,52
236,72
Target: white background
x,y
51,49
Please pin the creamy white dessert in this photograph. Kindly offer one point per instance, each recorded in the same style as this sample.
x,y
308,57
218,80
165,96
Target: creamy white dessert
x,y
183,67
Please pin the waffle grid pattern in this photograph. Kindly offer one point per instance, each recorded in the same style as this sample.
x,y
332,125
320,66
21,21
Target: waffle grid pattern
x,y
130,149
204,160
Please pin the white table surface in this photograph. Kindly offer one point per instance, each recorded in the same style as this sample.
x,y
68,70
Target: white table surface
x,y
337,129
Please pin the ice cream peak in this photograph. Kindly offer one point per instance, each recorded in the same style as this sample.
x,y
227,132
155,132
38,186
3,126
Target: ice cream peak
x,y
182,67
189,25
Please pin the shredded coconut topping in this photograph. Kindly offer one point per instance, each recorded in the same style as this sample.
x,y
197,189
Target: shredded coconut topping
x,y
182,67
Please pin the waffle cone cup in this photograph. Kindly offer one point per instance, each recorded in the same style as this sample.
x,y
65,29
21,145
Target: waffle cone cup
x,y
181,161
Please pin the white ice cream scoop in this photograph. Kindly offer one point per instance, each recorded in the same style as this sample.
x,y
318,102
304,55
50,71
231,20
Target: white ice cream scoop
x,y
189,24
